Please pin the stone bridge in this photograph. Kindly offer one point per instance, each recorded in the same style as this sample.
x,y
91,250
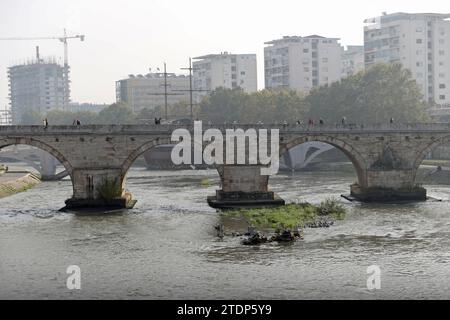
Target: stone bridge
x,y
97,158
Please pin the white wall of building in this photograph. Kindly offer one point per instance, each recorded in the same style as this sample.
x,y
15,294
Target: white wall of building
x,y
302,63
420,42
141,92
225,70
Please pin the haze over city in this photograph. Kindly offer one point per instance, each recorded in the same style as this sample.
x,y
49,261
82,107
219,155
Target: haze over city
x,y
126,39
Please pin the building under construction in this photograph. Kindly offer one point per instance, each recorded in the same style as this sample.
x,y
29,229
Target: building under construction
x,y
40,85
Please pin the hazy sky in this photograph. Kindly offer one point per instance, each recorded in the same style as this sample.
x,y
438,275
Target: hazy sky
x,y
124,37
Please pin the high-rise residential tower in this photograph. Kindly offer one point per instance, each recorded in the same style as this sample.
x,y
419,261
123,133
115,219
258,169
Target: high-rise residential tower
x,y
225,70
37,86
420,42
302,63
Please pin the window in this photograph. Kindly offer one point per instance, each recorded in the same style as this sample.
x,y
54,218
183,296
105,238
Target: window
x,y
442,97
306,69
441,52
242,73
419,29
419,41
441,75
419,64
441,63
314,54
442,86
305,50
325,60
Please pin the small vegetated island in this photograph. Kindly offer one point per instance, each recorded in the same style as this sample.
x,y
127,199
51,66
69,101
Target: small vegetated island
x,y
285,223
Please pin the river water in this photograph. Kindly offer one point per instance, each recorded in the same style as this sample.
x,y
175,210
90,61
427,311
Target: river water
x,y
166,248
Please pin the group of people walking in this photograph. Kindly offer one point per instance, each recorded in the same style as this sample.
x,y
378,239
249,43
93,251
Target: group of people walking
x,y
75,122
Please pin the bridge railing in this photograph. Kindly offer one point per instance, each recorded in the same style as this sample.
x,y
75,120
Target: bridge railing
x,y
165,128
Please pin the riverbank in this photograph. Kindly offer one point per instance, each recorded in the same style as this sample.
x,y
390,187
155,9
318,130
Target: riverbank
x,y
12,182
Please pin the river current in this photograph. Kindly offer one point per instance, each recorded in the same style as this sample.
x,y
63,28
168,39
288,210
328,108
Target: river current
x,y
166,248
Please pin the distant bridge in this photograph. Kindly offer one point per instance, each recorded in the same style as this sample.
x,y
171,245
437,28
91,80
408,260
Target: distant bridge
x,y
385,157
39,160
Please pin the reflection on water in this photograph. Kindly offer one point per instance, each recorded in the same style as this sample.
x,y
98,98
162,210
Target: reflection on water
x,y
166,247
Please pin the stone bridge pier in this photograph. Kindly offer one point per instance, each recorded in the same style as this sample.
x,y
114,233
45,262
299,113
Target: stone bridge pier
x,y
98,187
242,186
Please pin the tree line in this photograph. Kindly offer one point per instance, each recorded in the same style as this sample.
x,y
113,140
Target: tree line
x,y
382,93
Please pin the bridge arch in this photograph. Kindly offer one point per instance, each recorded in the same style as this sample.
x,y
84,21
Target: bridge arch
x,y
40,145
352,154
421,155
132,157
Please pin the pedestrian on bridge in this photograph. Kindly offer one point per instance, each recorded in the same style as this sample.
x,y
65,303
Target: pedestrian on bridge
x,y
321,122
45,123
344,121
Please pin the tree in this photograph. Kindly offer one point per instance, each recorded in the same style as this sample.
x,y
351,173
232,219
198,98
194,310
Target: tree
x,y
117,113
267,106
374,96
30,118
224,105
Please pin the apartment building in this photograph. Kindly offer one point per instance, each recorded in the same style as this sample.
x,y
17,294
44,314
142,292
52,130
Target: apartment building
x,y
302,63
39,85
140,92
352,60
224,70
420,42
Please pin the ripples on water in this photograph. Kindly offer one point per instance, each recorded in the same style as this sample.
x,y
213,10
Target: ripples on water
x,y
166,247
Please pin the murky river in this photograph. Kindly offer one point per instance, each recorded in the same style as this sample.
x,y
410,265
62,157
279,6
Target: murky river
x,y
166,248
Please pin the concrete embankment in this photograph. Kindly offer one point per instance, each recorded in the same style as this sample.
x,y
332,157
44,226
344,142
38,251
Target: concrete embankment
x,y
12,182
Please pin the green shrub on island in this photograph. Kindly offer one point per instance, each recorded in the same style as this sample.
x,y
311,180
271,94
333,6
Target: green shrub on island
x,y
331,207
290,216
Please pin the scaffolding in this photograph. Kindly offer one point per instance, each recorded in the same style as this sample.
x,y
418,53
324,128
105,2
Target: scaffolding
x,y
5,116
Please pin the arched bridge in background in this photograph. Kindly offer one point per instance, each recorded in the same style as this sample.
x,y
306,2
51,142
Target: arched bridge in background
x,y
386,158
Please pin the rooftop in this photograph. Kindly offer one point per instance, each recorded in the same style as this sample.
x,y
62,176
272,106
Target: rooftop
x,y
222,55
155,75
293,39
407,16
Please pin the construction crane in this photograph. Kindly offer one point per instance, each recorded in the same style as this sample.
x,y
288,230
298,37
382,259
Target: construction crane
x,y
62,39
